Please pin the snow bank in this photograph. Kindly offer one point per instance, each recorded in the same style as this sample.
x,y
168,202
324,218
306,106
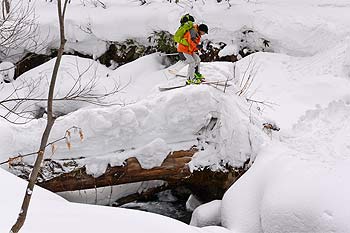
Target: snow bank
x,y
81,79
51,213
297,184
218,125
300,184
288,25
208,214
76,76
287,194
89,32
289,86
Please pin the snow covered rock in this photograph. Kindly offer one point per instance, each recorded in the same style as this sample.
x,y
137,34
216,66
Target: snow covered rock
x,y
208,214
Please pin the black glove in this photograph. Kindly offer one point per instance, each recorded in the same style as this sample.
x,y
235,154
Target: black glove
x,y
199,46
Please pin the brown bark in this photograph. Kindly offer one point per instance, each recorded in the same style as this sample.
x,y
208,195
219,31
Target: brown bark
x,y
204,183
173,169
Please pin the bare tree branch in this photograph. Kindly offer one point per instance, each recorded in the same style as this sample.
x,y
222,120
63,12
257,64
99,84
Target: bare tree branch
x,y
248,78
24,100
65,137
18,28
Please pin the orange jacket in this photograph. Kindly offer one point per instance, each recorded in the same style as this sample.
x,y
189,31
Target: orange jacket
x,y
192,43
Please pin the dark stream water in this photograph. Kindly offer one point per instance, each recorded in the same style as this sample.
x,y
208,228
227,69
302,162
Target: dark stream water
x,y
165,204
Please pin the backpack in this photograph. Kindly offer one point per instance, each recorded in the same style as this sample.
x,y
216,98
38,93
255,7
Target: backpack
x,y
186,22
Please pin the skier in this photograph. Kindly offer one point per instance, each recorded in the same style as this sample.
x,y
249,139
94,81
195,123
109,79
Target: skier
x,y
193,37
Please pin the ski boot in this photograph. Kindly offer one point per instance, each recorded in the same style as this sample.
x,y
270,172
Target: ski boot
x,y
198,77
193,81
189,82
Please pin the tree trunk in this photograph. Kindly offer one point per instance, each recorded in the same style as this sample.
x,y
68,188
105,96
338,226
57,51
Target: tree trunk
x,y
50,121
173,169
204,183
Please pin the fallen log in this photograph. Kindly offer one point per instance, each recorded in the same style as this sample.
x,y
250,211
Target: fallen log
x,y
173,169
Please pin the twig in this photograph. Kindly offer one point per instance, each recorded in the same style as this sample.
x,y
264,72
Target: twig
x,y
65,137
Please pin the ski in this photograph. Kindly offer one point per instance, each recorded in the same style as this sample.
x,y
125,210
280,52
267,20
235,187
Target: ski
x,y
212,82
172,84
218,83
171,87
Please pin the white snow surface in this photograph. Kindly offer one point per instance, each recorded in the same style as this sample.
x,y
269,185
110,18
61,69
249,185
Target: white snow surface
x,y
207,215
287,24
7,71
298,181
150,128
51,213
298,185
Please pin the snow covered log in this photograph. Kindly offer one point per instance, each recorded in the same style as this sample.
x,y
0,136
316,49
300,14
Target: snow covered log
x,y
174,168
204,183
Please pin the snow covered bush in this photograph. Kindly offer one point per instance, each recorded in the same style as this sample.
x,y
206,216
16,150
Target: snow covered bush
x,y
162,41
95,3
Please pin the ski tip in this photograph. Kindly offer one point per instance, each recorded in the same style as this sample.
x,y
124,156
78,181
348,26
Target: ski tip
x,y
170,88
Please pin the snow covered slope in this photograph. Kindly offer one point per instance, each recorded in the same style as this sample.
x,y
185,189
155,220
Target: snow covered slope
x,y
51,213
220,124
292,85
299,185
296,185
293,27
298,181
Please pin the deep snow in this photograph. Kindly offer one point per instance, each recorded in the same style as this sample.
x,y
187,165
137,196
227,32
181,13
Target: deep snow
x,y
298,180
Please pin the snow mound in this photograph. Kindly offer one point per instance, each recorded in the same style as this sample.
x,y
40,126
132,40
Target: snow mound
x,y
77,76
81,82
288,86
208,214
324,133
219,125
287,194
48,210
290,185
